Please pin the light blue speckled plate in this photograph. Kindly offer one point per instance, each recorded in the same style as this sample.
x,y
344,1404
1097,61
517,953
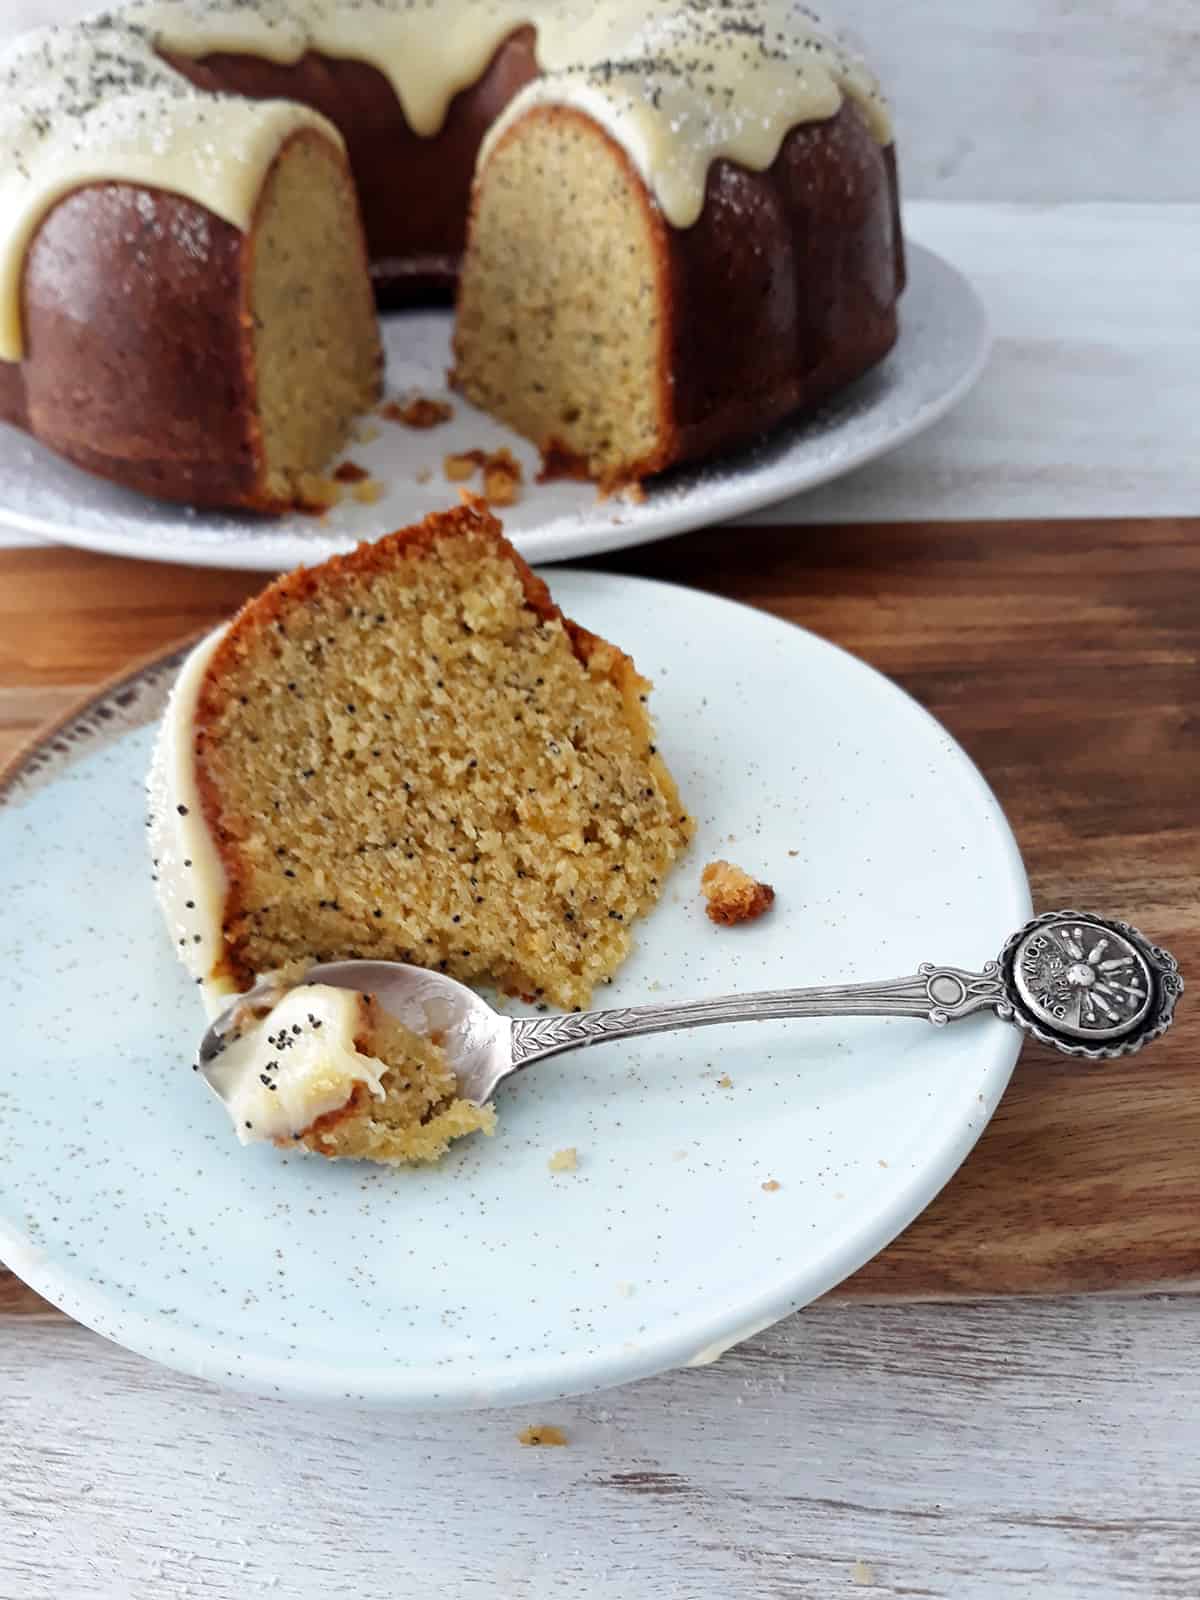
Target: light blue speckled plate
x,y
487,1280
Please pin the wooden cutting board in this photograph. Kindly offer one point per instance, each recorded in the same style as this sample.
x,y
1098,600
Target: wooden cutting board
x,y
1064,657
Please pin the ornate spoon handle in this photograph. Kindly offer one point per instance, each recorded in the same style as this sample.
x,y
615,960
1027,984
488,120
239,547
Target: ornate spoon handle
x,y
1084,985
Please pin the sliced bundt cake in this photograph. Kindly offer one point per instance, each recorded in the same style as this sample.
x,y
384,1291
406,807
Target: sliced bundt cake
x,y
684,226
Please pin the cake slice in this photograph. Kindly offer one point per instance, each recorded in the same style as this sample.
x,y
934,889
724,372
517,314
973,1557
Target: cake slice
x,y
327,1069
409,754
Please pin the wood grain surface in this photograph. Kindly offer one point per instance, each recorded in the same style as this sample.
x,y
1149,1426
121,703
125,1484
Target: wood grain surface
x,y
1063,656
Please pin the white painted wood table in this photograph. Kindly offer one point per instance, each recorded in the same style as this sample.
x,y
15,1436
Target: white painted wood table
x,y
967,1451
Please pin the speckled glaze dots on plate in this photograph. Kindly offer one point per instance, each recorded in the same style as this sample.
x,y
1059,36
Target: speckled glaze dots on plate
x,y
942,349
491,1279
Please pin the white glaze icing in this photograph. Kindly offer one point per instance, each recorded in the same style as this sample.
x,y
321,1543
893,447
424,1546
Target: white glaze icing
x,y
298,1063
678,83
427,49
189,877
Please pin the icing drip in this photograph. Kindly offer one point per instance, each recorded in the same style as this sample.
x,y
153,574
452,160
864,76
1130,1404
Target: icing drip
x,y
682,83
188,875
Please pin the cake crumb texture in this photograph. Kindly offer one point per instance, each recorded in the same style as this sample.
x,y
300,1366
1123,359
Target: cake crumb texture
x,y
542,1433
317,356
566,1160
560,226
408,754
733,895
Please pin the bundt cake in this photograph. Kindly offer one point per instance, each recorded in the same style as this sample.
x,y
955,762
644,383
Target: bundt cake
x,y
683,226
329,1071
409,754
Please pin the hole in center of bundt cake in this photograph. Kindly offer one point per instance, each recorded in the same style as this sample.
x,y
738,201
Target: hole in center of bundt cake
x,y
317,356
403,758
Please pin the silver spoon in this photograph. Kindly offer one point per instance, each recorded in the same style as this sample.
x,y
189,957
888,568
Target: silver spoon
x,y
1079,983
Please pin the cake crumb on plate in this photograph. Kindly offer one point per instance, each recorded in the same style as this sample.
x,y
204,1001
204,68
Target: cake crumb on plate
x,y
417,411
463,465
733,895
544,1433
862,1573
771,1185
502,473
565,1160
725,1081
502,478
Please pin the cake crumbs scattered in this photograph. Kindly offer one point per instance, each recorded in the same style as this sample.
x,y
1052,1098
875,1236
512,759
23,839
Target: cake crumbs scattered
x,y
882,1163
417,411
793,852
863,1574
368,493
725,1082
626,1290
367,433
565,1160
502,478
733,895
502,474
458,468
350,472
771,1185
540,1434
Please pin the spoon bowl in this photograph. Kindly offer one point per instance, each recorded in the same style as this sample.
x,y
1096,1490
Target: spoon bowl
x,y
477,1039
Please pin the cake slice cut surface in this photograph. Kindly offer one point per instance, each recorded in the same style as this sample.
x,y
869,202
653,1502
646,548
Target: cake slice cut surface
x,y
562,308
